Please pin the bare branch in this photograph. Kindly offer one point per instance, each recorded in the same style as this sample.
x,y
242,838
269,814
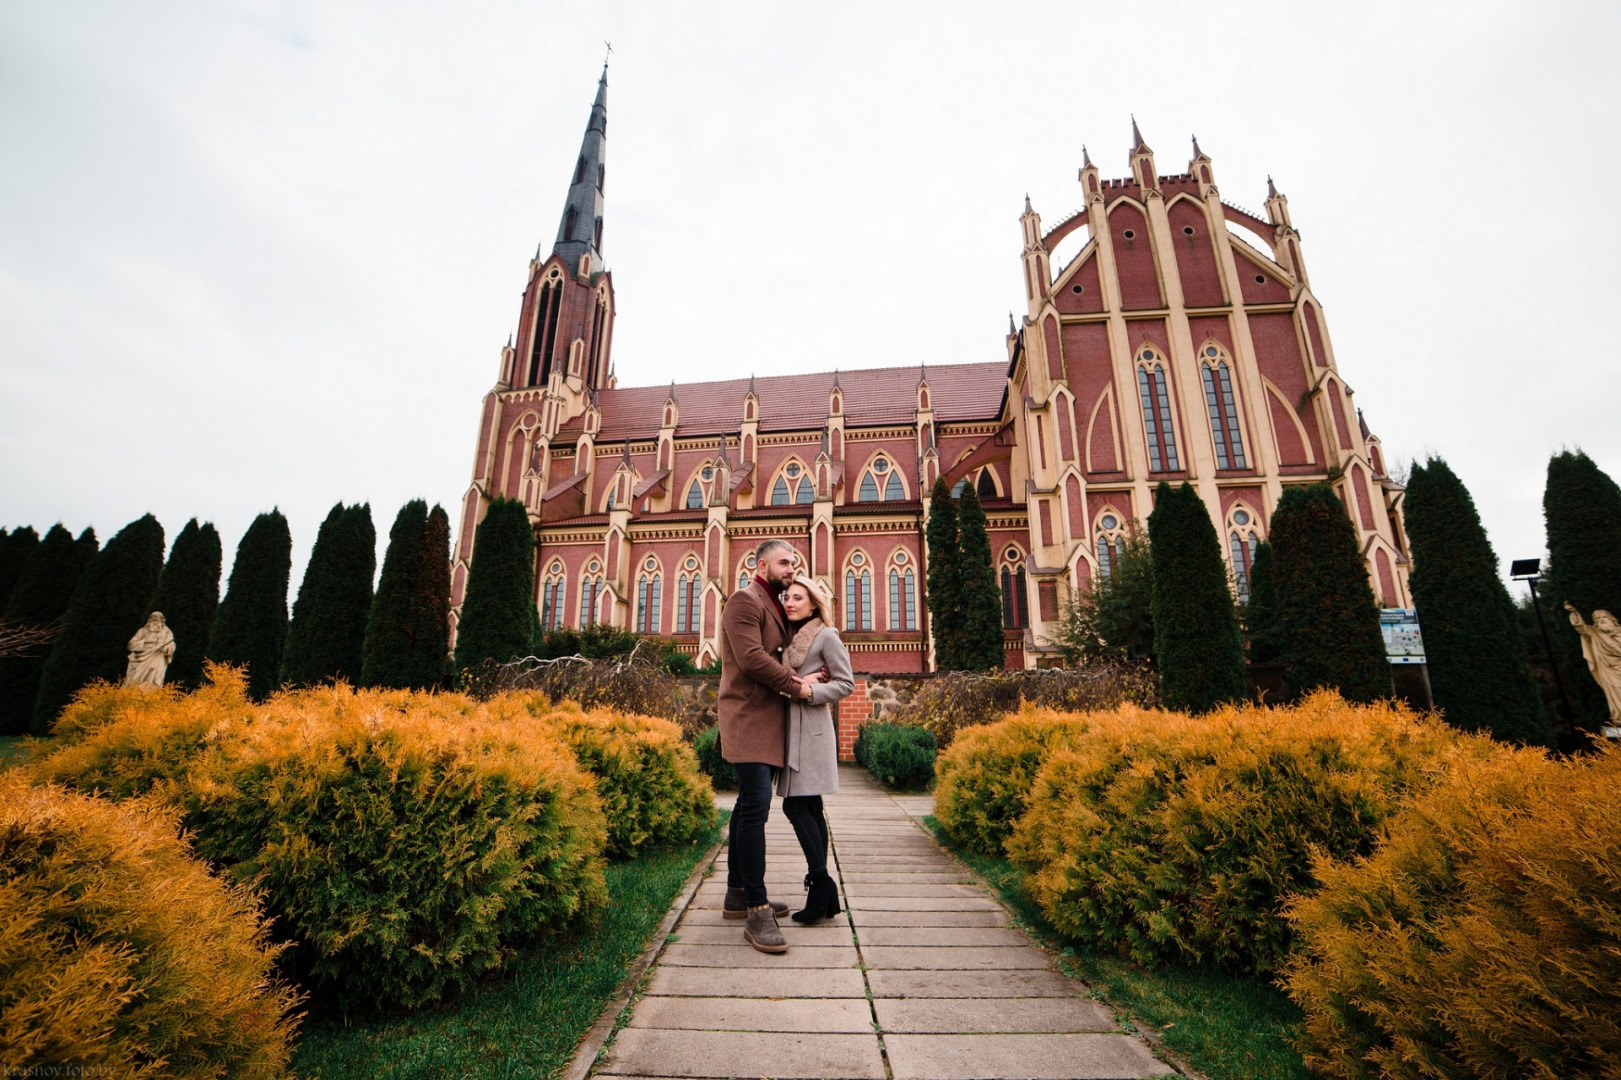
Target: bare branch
x,y
21,639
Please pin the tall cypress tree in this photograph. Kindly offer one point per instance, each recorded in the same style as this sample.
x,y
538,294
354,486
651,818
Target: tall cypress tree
x,y
1327,616
1261,610
326,639
1480,676
978,597
15,548
41,598
1582,505
250,628
188,596
942,596
110,604
498,620
409,626
1196,638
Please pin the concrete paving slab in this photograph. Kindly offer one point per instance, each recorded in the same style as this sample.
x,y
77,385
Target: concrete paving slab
x,y
906,877
729,933
922,903
782,1055
966,958
962,1016
888,888
942,936
892,983
763,982
744,955
757,1014
930,918
1025,1057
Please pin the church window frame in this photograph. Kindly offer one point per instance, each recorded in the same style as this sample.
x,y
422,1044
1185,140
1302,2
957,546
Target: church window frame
x,y
902,579
554,594
689,597
858,592
1015,589
1221,403
1159,425
746,571
1108,540
793,485
592,583
649,597
1243,537
881,481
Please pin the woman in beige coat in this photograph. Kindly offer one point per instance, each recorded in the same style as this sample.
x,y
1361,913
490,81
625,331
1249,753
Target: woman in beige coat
x,y
811,768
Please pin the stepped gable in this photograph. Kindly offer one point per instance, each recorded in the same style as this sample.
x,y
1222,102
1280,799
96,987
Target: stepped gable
x,y
872,397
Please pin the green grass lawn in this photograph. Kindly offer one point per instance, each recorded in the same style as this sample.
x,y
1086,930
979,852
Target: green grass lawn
x,y
1231,1027
528,1022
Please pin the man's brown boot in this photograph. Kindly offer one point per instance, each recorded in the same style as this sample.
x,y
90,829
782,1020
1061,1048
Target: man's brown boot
x,y
735,907
762,931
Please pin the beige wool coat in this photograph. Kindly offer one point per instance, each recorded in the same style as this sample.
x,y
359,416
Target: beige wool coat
x,y
754,683
812,766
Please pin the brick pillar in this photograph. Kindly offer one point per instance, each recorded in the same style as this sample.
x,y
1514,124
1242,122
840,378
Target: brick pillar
x,y
854,711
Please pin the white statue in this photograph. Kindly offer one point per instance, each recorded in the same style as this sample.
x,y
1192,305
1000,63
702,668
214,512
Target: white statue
x,y
1601,648
150,651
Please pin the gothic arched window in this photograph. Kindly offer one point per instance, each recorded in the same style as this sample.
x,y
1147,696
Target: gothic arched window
x,y
1223,409
689,590
551,598
649,596
590,591
1015,598
695,496
881,475
1156,403
1111,540
902,592
985,488
779,492
858,593
1242,540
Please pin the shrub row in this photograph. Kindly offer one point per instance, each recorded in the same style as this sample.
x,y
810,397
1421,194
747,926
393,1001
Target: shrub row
x,y
1440,906
407,841
717,768
899,755
948,703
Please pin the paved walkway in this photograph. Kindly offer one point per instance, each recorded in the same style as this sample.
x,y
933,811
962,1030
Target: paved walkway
x,y
922,973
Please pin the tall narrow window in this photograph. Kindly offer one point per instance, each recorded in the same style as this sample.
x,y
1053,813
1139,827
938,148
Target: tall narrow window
x,y
1007,597
681,605
544,336
551,607
869,489
893,491
1242,540
590,590
1223,409
986,487
858,594
902,594
687,594
649,594
695,496
806,493
1110,543
1156,403
1015,604
779,492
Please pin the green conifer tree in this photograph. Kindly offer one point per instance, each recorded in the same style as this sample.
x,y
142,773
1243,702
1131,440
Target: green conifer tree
x,y
112,601
1479,674
942,594
1582,507
978,598
1327,616
327,635
498,619
188,596
1196,638
250,628
409,625
41,597
15,548
1114,619
1261,609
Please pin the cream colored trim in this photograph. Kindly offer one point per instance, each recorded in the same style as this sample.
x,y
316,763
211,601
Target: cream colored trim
x,y
1305,440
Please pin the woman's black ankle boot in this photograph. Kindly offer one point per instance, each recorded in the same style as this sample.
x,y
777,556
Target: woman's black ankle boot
x,y
822,902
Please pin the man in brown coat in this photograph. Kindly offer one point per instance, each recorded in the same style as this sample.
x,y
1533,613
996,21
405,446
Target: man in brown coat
x,y
754,689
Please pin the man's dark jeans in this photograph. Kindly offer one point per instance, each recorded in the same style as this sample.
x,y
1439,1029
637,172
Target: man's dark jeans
x,y
745,859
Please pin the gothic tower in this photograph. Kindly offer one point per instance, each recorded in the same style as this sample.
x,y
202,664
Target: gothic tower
x,y
553,367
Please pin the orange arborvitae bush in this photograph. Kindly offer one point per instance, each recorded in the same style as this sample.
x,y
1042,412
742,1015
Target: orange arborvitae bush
x,y
1481,939
986,775
407,840
1176,838
120,951
647,776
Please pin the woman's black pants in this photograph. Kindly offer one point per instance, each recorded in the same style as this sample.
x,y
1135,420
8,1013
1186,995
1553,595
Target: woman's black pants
x,y
805,814
745,854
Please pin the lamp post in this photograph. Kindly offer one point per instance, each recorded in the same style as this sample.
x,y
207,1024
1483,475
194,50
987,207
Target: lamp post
x,y
1528,570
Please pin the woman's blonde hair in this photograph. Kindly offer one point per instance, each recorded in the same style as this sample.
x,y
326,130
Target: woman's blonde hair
x,y
820,598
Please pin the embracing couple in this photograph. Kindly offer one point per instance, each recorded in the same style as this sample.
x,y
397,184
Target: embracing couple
x,y
782,670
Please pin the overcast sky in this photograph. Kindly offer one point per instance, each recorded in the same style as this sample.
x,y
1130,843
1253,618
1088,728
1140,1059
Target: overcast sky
x,y
260,254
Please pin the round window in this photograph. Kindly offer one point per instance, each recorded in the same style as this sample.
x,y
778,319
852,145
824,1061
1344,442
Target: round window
x,y
856,559
1187,230
1210,350
708,473
1241,517
880,466
900,557
749,562
1130,235
1109,521
1260,279
1148,354
692,563
650,563
792,471
1077,288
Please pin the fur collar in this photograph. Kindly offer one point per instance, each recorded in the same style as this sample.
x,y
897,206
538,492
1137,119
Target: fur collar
x,y
799,648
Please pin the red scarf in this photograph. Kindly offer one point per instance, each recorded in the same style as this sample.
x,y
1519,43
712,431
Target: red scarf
x,y
776,597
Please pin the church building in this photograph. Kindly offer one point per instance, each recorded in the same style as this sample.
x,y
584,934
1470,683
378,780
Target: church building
x,y
1168,335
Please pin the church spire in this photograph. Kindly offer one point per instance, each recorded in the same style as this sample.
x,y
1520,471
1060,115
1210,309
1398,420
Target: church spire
x,y
580,232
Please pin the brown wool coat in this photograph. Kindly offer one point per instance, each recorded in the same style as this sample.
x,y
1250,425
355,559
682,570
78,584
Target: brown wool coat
x,y
754,682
